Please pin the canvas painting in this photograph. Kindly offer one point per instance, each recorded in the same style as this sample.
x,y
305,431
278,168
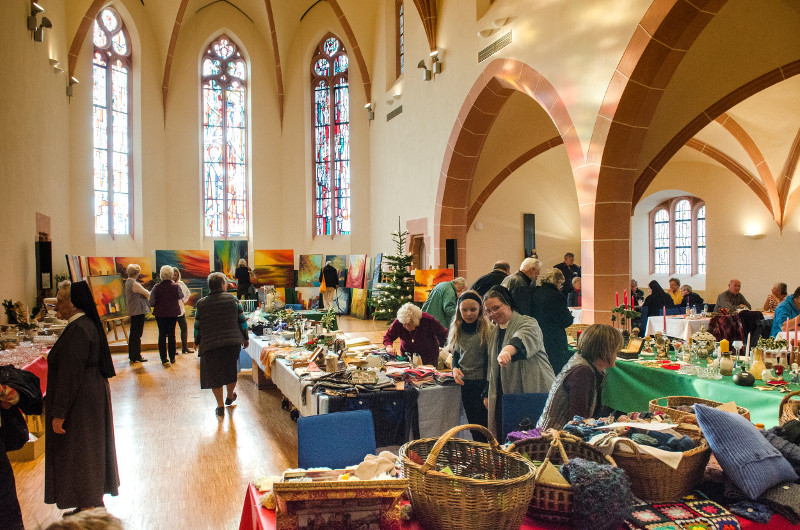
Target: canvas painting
x,y
308,270
84,266
194,265
358,303
227,255
109,295
357,271
426,279
146,264
339,262
341,302
376,269
71,267
274,267
101,266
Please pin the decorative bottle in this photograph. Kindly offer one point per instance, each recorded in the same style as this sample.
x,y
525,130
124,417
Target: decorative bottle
x,y
758,365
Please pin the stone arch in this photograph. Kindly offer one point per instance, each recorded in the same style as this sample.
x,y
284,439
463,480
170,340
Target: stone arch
x,y
500,79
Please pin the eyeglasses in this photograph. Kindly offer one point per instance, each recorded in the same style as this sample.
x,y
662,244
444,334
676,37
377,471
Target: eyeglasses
x,y
495,309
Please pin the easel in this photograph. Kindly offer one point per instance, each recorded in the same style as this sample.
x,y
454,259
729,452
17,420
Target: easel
x,y
112,323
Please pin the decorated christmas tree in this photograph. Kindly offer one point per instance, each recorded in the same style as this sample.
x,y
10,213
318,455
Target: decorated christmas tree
x,y
399,288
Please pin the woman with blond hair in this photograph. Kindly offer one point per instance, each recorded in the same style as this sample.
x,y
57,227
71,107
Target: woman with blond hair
x,y
242,274
136,300
469,341
418,332
164,300
578,388
549,308
185,294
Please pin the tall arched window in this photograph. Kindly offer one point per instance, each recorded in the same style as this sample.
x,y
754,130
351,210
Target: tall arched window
x,y
111,102
224,94
678,237
331,124
400,52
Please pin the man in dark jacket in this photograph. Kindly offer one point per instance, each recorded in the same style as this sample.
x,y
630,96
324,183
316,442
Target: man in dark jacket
x,y
569,270
331,277
522,283
487,281
691,299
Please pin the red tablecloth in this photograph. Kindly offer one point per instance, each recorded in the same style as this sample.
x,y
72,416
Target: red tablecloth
x,y
255,517
39,369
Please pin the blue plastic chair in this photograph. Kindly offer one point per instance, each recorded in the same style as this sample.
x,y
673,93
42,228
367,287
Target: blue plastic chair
x,y
643,321
517,407
335,440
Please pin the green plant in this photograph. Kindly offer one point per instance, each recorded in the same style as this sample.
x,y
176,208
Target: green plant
x,y
627,315
328,319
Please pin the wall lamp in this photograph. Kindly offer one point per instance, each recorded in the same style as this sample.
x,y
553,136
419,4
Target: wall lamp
x,y
72,81
436,66
54,64
370,111
35,10
38,33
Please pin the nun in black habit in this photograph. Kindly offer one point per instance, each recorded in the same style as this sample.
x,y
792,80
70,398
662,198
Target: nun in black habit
x,y
80,456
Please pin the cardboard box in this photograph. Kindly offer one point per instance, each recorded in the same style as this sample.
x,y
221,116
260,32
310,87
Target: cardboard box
x,y
30,451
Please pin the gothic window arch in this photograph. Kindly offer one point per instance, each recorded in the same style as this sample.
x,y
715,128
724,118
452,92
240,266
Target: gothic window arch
x,y
224,96
330,101
400,51
111,111
678,237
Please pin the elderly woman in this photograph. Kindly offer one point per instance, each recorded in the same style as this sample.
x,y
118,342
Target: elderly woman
x,y
517,359
80,455
164,300
220,332
574,296
549,308
185,294
778,295
242,275
418,332
136,300
578,388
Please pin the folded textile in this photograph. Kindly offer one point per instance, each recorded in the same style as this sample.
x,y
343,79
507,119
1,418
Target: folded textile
x,y
374,465
609,442
789,450
516,436
784,499
602,494
692,512
791,431
754,511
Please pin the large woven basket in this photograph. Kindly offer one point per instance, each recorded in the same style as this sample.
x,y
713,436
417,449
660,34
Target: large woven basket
x,y
496,498
654,481
678,416
789,409
553,502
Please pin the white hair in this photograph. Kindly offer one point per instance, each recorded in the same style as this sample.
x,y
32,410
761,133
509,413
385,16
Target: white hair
x,y
530,264
576,279
165,273
133,270
408,313
460,283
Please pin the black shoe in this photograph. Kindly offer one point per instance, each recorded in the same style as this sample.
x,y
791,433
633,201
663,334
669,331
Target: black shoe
x,y
142,360
229,401
172,360
220,411
165,363
134,361
71,512
187,350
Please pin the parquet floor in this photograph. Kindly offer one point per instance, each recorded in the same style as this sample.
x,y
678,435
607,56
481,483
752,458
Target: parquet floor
x,y
180,466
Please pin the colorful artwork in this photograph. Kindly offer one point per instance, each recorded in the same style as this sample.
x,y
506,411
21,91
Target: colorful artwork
x,y
274,267
341,302
74,267
339,262
100,266
146,264
355,275
227,255
193,264
426,279
358,303
376,269
109,295
308,270
84,266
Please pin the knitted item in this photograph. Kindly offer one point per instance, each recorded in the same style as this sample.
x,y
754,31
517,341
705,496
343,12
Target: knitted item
x,y
692,512
784,499
602,494
750,461
754,511
791,431
789,450
516,436
643,439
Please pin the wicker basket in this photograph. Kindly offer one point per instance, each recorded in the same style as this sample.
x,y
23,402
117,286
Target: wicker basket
x,y
553,502
677,416
789,409
498,499
654,481
572,329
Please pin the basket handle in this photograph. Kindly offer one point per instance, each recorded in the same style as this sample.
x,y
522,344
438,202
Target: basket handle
x,y
443,439
632,445
785,401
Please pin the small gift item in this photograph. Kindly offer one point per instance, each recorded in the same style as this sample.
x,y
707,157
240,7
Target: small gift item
x,y
744,378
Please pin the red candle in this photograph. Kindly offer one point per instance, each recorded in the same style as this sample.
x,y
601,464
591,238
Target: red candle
x,y
625,298
665,321
616,304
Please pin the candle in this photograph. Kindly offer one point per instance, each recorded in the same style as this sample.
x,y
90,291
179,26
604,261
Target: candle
x,y
625,298
747,349
616,304
724,346
665,321
795,332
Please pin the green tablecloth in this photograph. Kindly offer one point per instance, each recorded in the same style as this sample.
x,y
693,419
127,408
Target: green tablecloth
x,y
630,387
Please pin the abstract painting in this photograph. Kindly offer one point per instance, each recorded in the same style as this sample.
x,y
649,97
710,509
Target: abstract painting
x,y
308,270
358,303
376,270
274,267
74,267
355,275
101,266
426,279
341,302
339,262
109,295
193,264
146,265
227,255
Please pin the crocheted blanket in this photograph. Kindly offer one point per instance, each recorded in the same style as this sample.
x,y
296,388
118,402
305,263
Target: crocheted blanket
x,y
693,512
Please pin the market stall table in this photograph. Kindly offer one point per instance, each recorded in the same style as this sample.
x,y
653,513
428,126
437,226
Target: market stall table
x,y
678,326
630,387
576,315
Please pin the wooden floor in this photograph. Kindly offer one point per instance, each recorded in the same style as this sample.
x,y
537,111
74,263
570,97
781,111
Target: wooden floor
x,y
180,465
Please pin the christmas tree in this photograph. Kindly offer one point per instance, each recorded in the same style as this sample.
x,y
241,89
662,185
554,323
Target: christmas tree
x,y
400,286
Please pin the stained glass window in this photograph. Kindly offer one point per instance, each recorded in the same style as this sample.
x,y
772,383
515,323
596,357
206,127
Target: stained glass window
x,y
401,52
111,81
661,242
701,240
331,124
224,95
683,237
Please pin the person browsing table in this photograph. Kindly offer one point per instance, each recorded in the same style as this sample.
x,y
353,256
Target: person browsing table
x,y
418,332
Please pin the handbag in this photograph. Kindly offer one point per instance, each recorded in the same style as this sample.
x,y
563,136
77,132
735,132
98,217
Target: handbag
x,y
253,278
14,428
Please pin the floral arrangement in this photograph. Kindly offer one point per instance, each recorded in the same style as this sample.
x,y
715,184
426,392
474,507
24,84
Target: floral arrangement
x,y
626,315
321,340
771,343
15,312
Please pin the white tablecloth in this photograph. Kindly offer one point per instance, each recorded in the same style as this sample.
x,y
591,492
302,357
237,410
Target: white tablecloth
x,y
678,326
781,335
439,407
576,315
